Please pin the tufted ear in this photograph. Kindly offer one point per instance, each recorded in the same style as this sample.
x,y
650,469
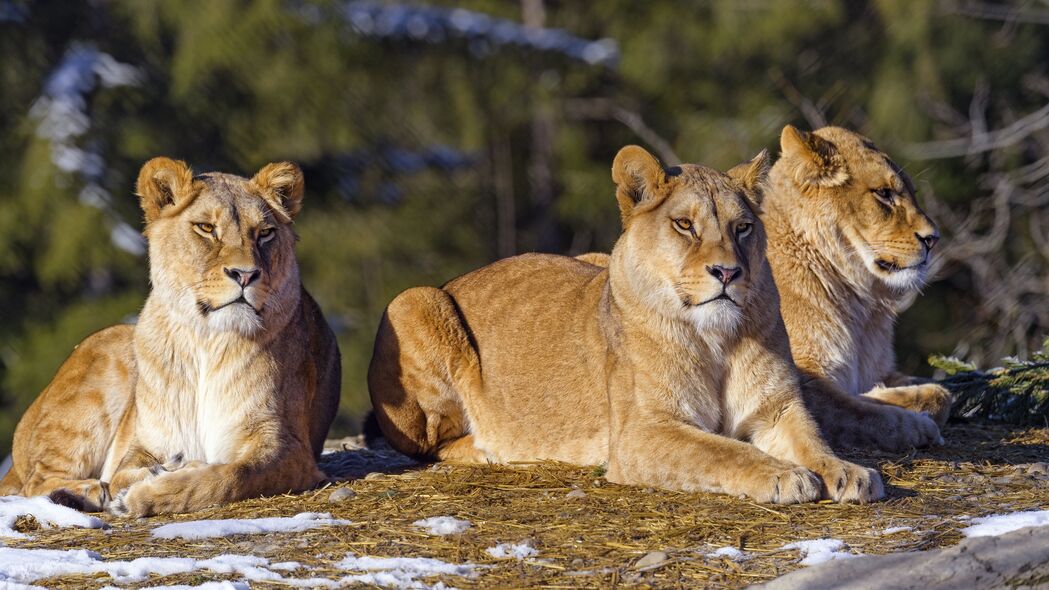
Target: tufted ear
x,y
640,180
163,186
282,185
752,175
812,160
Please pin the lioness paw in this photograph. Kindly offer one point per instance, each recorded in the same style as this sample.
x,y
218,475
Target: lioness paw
x,y
847,482
906,430
793,486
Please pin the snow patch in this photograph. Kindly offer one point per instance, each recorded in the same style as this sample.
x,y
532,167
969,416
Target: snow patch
x,y
226,585
729,552
818,551
46,512
442,525
999,524
400,572
897,529
515,550
203,529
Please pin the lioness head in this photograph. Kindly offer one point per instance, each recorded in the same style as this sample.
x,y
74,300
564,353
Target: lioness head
x,y
221,247
691,236
845,181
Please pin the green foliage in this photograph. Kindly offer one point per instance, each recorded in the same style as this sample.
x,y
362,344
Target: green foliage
x,y
1018,392
232,85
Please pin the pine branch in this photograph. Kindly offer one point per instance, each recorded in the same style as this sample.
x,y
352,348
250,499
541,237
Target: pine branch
x,y
1017,392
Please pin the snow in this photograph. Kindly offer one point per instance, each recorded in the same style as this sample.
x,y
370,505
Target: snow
x,y
818,551
46,512
400,572
515,550
203,529
729,552
28,565
897,529
483,33
999,524
205,586
443,525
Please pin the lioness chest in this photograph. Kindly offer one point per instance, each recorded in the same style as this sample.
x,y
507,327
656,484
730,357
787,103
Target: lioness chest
x,y
214,398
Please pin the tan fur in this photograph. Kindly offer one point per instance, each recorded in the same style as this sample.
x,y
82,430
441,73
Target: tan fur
x,y
226,386
842,257
640,365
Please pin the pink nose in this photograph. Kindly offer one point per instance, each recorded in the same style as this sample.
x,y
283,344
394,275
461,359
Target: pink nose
x,y
243,277
725,274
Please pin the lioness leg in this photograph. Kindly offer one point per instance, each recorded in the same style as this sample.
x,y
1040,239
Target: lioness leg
x,y
916,395
198,486
670,454
424,359
862,422
782,428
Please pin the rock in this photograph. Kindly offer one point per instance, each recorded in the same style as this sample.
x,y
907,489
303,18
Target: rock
x,y
576,494
1038,469
341,494
1019,559
651,560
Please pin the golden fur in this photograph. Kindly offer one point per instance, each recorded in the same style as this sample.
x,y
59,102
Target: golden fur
x,y
671,365
847,240
226,386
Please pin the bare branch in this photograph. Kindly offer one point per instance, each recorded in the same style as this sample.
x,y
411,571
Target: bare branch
x,y
606,109
993,140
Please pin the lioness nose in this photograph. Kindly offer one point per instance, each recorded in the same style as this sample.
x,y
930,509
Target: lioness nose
x,y
929,240
244,277
725,274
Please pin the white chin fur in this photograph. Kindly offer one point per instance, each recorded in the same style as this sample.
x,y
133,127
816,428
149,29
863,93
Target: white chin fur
x,y
718,316
238,318
904,280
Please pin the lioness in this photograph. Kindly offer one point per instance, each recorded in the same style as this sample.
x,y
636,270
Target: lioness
x,y
671,365
226,386
847,240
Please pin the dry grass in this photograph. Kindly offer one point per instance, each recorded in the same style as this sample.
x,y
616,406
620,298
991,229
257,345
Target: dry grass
x,y
604,532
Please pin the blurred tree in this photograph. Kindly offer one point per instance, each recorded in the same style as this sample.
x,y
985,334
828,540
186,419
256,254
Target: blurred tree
x,y
439,136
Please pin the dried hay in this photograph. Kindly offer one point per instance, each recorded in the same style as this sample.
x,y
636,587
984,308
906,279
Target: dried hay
x,y
593,539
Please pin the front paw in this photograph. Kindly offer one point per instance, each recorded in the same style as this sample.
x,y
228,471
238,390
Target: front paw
x,y
847,482
793,485
935,400
903,430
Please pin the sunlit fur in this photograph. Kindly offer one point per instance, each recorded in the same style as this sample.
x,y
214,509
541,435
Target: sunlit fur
x,y
635,364
226,386
843,256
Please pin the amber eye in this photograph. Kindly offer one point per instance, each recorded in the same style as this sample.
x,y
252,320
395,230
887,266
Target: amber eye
x,y
744,228
683,224
204,228
266,233
885,196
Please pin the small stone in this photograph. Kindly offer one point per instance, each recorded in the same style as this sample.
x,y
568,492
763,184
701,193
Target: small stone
x,y
576,494
341,494
1004,480
652,559
375,475
1038,469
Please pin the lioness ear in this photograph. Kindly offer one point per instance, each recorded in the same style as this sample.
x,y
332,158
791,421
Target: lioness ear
x,y
282,185
640,179
163,184
811,159
752,175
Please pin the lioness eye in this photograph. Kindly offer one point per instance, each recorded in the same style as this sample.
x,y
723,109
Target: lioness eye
x,y
266,233
744,229
205,228
884,195
683,224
